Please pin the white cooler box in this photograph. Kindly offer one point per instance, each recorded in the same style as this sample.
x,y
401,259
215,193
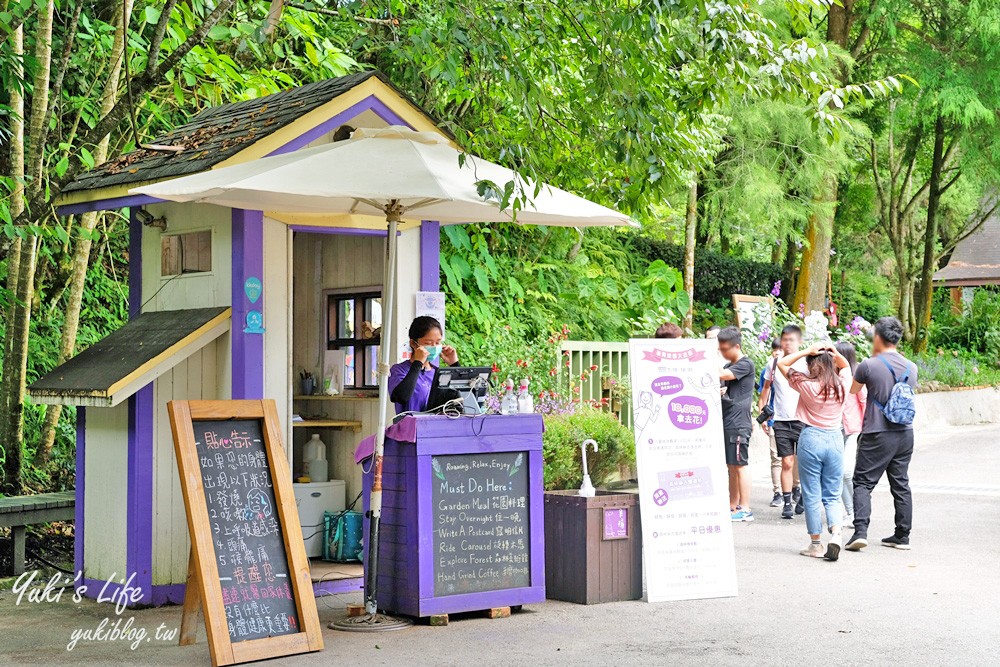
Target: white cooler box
x,y
312,500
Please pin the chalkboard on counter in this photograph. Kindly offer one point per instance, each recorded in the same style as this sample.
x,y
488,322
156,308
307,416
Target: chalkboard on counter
x,y
248,571
481,513
249,545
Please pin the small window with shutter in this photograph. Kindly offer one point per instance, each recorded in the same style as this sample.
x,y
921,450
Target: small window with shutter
x,y
189,252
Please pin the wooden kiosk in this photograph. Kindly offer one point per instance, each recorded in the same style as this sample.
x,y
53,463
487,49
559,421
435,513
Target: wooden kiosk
x,y
230,304
462,518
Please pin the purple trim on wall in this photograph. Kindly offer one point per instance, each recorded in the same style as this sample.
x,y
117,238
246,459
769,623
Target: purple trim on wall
x,y
370,103
168,594
81,469
139,524
345,231
248,262
96,587
134,263
430,256
387,114
106,204
337,586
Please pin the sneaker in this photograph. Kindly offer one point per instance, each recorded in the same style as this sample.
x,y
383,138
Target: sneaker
x,y
897,542
786,511
848,521
776,501
833,546
799,507
857,543
813,551
796,494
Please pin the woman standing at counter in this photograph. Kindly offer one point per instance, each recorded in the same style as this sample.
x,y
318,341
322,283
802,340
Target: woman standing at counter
x,y
410,381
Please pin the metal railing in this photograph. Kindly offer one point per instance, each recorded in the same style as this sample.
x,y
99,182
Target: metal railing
x,y
611,362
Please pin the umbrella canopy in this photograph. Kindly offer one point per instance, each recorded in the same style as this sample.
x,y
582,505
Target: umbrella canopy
x,y
418,170
388,174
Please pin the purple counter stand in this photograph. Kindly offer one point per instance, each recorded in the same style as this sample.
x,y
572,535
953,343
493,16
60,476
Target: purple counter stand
x,y
406,564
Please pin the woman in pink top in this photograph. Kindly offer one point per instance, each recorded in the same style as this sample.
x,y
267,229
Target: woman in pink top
x,y
822,392
854,413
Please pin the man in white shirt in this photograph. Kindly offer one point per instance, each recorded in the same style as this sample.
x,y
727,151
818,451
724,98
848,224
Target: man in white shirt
x,y
786,427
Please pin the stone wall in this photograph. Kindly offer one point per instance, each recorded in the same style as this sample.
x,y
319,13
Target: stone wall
x,y
958,407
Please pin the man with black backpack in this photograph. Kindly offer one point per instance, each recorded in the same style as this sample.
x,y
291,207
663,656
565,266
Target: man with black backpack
x,y
886,442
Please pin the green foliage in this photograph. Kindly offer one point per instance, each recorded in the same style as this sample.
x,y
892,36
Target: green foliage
x,y
561,448
955,368
528,278
716,276
976,329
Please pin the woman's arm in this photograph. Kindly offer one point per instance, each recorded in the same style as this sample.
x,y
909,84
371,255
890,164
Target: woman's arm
x,y
786,362
404,390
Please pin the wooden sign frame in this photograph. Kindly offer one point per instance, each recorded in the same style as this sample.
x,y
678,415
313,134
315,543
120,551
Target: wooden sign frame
x,y
204,589
747,298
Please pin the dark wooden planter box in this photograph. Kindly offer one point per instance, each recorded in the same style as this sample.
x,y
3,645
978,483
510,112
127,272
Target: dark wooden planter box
x,y
593,547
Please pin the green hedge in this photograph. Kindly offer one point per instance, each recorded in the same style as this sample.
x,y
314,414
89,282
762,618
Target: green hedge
x,y
716,276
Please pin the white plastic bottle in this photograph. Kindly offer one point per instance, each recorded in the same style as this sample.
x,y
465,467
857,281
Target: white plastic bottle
x,y
508,404
525,403
314,460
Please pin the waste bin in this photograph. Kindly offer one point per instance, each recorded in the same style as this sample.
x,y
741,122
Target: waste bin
x,y
593,547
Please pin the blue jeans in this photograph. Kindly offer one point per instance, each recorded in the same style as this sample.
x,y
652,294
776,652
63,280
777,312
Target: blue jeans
x,y
821,473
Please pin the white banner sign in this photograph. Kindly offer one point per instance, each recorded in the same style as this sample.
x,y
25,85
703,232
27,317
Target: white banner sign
x,y
687,534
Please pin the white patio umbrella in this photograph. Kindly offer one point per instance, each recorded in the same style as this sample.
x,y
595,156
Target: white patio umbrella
x,y
382,176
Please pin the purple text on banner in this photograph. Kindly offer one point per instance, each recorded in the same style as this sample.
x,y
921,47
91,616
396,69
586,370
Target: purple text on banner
x,y
688,412
667,385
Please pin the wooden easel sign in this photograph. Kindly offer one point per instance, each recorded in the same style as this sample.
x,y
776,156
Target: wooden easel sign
x,y
249,571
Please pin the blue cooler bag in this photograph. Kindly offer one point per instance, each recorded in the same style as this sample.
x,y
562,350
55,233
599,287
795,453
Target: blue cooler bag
x,y
343,531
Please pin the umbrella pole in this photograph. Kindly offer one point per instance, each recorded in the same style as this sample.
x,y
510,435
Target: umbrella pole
x,y
372,621
388,326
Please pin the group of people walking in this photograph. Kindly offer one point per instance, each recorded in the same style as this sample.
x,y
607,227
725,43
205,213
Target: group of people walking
x,y
835,427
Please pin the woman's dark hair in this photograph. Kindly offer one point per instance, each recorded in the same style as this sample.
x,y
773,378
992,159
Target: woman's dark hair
x,y
822,369
848,352
669,330
423,325
775,344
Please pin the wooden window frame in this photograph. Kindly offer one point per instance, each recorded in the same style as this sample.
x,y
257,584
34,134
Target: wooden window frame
x,y
331,300
211,253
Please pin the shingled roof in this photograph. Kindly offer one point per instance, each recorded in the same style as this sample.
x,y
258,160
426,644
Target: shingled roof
x,y
976,259
217,134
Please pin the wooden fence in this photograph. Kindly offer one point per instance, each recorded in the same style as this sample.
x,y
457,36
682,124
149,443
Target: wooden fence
x,y
611,361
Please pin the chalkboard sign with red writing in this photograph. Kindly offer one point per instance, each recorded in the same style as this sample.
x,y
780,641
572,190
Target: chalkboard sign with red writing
x,y
246,531
249,571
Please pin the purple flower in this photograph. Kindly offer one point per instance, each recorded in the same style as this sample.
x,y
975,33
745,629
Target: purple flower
x,y
802,310
776,290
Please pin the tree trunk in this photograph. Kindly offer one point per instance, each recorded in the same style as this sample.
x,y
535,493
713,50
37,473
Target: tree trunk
x,y
9,441
690,239
925,292
88,222
18,325
788,267
810,286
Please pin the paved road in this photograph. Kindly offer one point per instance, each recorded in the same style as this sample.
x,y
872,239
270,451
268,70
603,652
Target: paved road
x,y
935,605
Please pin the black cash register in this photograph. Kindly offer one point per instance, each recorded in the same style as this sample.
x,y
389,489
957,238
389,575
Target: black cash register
x,y
471,384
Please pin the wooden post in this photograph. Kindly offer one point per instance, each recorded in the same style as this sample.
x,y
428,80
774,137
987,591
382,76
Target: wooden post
x,y
17,533
191,614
